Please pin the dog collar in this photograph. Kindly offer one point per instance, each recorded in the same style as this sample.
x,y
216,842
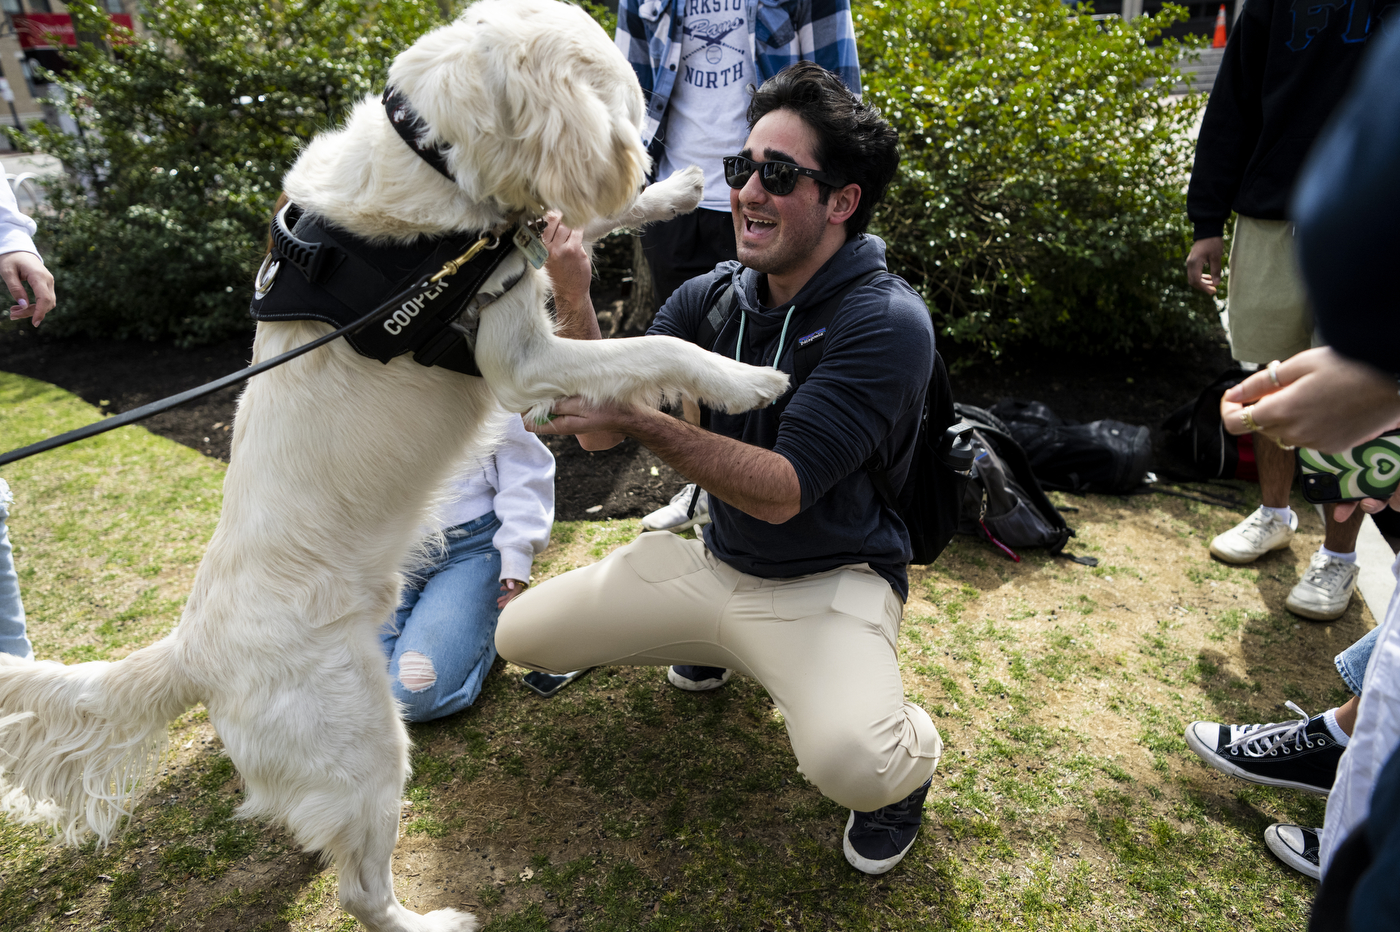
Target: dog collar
x,y
411,127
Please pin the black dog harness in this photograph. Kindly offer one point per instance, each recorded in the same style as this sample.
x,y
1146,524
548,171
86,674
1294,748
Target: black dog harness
x,y
341,276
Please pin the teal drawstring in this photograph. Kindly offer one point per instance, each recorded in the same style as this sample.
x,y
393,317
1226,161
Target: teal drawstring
x,y
743,319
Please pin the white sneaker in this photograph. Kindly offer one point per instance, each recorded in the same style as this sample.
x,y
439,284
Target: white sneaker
x,y
1255,536
1298,847
1325,589
677,516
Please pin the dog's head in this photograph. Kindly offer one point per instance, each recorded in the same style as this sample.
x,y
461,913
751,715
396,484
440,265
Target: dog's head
x,y
539,108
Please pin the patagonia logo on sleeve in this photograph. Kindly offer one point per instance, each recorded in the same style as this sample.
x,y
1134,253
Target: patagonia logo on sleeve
x,y
811,337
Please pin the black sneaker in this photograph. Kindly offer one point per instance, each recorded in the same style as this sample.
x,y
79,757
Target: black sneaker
x,y
698,679
1300,755
1297,846
877,841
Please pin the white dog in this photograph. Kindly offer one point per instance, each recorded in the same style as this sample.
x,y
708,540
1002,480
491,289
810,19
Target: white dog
x,y
336,458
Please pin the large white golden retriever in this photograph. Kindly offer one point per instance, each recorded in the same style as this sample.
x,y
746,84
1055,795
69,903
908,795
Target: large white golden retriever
x,y
336,459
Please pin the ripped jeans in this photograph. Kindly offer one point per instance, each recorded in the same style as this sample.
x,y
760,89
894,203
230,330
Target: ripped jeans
x,y
441,641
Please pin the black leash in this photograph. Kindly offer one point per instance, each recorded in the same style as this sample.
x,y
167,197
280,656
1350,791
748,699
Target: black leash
x,y
165,404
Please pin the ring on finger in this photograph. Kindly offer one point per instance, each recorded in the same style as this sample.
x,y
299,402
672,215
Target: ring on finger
x,y
1247,417
1273,374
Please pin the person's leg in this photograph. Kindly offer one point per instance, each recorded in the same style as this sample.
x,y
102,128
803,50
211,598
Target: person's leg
x,y
13,639
1269,319
1352,663
1341,535
825,648
1276,467
446,640
657,601
1375,738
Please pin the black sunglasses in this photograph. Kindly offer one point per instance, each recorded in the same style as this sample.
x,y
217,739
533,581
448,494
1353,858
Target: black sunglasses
x,y
776,177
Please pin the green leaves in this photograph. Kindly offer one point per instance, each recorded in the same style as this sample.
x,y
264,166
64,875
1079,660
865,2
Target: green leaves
x,y
186,136
1041,196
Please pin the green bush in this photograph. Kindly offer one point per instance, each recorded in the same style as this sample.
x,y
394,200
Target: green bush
x,y
185,137
1041,196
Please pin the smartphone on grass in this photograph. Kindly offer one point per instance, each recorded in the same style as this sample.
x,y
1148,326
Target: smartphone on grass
x,y
1371,470
547,684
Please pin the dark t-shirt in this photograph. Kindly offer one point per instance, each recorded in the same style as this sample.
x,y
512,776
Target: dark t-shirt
x,y
864,397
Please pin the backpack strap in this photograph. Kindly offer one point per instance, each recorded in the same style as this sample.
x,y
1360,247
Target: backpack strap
x,y
721,309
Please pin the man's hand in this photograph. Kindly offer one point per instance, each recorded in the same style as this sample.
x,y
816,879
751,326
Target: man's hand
x,y
758,482
571,274
1205,253
598,427
1323,400
19,267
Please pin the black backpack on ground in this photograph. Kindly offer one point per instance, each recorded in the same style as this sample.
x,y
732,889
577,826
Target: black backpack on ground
x,y
1198,438
1102,456
929,501
1004,502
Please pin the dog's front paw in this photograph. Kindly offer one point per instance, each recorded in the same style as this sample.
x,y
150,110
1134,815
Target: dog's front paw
x,y
678,194
750,387
690,188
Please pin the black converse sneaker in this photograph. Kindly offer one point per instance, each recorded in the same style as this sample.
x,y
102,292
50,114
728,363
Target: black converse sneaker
x,y
877,841
698,679
1300,755
1297,846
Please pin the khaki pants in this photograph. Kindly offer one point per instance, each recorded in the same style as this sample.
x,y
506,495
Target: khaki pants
x,y
1268,310
824,646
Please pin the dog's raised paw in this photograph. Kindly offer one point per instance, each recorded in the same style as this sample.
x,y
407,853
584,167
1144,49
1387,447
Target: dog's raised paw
x,y
751,387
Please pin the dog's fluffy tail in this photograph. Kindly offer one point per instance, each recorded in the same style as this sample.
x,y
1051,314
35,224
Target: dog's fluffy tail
x,y
78,744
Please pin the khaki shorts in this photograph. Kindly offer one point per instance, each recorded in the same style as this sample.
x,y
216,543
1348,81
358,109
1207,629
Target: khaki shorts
x,y
1268,311
825,647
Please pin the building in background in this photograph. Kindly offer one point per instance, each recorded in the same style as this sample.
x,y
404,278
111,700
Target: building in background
x,y
33,35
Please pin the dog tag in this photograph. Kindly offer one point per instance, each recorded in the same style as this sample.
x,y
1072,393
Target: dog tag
x,y
527,242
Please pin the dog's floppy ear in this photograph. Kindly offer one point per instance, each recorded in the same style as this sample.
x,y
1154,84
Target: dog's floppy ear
x,y
539,108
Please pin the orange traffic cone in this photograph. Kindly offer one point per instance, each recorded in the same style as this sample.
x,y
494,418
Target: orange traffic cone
x,y
1219,41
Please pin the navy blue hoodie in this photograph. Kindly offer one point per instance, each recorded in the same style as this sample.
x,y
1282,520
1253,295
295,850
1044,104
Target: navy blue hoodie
x,y
865,396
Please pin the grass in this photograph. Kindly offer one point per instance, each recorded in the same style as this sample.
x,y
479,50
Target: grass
x,y
1066,798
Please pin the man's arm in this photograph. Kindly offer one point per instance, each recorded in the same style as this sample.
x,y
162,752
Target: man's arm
x,y
758,482
570,273
833,38
1231,125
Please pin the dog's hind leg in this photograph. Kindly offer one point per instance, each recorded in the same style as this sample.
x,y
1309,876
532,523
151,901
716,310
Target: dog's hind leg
x,y
332,770
363,854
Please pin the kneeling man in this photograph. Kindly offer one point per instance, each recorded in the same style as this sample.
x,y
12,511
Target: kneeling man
x,y
801,578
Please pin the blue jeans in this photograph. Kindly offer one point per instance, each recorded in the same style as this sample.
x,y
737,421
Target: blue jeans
x,y
1351,663
443,637
12,637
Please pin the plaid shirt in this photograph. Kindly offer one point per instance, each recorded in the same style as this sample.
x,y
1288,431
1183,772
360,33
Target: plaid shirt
x,y
781,32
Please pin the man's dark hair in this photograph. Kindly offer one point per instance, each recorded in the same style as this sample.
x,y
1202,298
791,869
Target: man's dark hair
x,y
853,142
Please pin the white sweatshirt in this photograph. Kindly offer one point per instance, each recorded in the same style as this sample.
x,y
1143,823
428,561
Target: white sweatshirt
x,y
517,483
16,230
